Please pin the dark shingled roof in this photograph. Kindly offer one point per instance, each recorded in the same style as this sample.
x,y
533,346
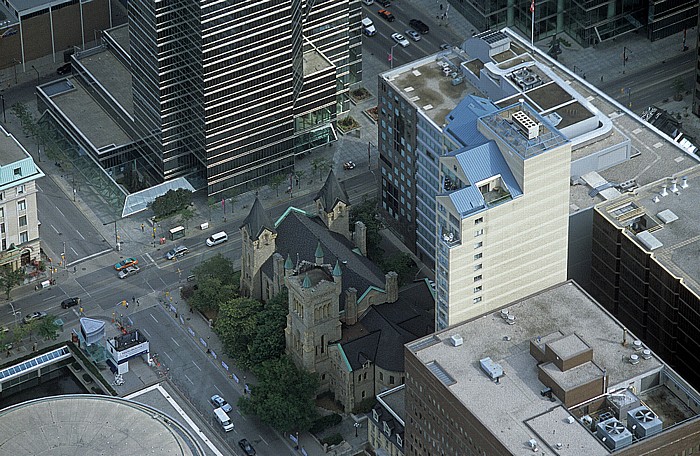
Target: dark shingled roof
x,y
257,220
298,235
384,329
332,192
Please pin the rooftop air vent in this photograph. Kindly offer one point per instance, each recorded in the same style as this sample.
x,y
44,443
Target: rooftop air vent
x,y
456,340
613,434
525,78
526,125
643,422
493,370
684,182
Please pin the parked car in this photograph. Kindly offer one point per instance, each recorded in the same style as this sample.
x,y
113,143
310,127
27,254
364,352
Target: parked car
x,y
131,270
445,46
246,447
399,38
384,3
63,69
34,316
218,401
419,25
178,251
349,165
70,302
412,34
386,15
125,263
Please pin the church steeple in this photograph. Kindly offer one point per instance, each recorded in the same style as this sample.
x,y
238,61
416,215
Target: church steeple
x,y
319,254
333,206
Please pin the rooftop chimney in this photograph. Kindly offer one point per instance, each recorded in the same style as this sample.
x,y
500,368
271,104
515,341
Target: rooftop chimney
x,y
656,199
663,190
674,185
684,182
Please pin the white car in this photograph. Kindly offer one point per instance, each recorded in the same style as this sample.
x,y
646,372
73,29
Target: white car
x,y
131,270
399,38
415,36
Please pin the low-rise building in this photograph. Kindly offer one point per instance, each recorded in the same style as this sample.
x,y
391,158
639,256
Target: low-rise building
x,y
385,423
19,222
553,374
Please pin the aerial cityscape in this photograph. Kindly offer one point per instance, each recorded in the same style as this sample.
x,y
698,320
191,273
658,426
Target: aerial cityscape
x,y
349,227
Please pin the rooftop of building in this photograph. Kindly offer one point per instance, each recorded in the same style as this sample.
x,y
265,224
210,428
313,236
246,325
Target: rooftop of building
x,y
668,226
11,151
394,401
120,34
381,333
111,73
560,97
514,408
92,424
314,61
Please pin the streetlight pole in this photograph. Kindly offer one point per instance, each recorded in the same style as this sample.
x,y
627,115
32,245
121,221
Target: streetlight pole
x,y
38,81
14,312
2,98
391,56
357,426
116,234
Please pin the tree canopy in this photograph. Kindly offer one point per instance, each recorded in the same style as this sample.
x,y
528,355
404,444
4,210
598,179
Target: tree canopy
x,y
217,283
10,278
253,332
283,397
172,202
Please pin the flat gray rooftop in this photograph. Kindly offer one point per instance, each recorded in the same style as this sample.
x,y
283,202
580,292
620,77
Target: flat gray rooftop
x,y
680,239
425,84
514,408
395,399
314,62
89,117
113,76
10,150
90,425
120,34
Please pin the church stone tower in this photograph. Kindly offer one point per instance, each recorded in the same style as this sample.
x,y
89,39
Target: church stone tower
x,y
314,317
258,236
333,206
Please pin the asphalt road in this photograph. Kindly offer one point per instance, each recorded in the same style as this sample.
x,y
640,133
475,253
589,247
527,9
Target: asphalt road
x,y
647,87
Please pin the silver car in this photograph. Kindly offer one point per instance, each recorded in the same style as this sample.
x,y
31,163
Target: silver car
x,y
131,270
412,34
178,251
400,39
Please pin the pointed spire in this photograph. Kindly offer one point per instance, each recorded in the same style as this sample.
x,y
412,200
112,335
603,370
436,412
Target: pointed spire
x,y
307,282
257,220
288,265
337,272
319,250
332,192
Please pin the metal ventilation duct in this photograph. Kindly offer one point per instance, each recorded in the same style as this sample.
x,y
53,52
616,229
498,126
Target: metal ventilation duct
x,y
613,433
643,422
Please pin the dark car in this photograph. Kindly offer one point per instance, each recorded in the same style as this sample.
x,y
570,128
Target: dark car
x,y
386,15
246,447
70,302
64,69
419,26
384,3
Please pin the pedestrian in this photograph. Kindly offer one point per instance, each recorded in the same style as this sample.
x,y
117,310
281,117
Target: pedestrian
x,y
133,299
176,315
34,347
127,304
601,78
138,302
142,228
8,353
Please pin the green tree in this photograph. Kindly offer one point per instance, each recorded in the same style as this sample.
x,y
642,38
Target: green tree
x,y
171,202
269,341
283,397
236,325
366,213
300,175
10,278
217,283
20,332
276,181
401,263
186,215
47,327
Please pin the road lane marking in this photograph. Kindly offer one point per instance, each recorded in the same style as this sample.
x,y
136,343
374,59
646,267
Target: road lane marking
x,y
59,211
261,438
81,236
173,339
217,388
54,228
195,365
89,256
76,253
188,378
50,297
166,354
146,333
154,318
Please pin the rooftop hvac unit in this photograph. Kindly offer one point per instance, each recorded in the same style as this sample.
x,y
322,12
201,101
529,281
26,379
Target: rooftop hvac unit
x,y
456,340
493,370
643,422
527,126
613,433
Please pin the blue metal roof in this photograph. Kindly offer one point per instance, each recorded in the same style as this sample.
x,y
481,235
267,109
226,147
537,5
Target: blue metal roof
x,y
461,124
480,163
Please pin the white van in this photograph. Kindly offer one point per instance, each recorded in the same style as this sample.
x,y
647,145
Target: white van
x,y
217,238
368,27
223,419
367,2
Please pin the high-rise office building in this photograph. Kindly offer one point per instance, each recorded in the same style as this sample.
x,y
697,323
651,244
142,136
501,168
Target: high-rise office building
x,y
222,91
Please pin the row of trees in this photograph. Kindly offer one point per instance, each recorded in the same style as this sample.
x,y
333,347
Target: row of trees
x,y
10,278
171,203
46,328
252,333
